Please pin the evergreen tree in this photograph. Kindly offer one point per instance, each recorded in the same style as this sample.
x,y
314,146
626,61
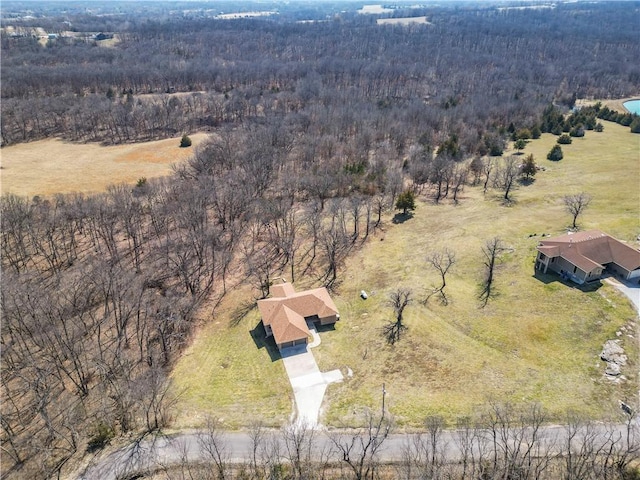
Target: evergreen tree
x,y
555,154
185,141
564,139
528,169
520,144
406,201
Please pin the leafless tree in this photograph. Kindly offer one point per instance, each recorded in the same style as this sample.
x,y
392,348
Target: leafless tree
x,y
442,261
258,435
213,446
506,175
360,449
488,166
335,244
398,300
424,453
300,445
491,251
517,446
380,204
575,205
460,174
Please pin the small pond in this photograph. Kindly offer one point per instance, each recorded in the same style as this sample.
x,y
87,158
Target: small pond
x,y
633,106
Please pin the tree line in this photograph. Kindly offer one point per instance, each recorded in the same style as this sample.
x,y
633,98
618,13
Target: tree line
x,y
471,73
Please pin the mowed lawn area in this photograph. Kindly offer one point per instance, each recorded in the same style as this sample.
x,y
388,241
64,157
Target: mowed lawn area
x,y
538,340
51,166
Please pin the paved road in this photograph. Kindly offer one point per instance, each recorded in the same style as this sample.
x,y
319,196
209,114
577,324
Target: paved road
x,y
154,452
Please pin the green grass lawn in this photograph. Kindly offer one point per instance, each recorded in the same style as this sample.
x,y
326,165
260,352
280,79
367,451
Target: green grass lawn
x,y
537,340
230,374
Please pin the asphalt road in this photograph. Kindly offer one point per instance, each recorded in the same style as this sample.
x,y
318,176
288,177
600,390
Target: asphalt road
x,y
153,452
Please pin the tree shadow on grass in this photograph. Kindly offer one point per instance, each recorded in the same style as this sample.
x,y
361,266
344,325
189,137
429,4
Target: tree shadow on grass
x,y
508,202
402,217
240,312
261,340
525,182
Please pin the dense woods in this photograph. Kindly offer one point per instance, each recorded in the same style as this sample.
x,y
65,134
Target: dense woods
x,y
318,127
471,73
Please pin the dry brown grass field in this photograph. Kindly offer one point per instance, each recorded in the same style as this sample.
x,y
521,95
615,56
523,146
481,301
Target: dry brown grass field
x,y
54,166
616,104
538,340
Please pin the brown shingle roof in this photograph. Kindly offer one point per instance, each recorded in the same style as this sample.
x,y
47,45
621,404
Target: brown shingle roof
x,y
591,249
282,290
286,311
294,328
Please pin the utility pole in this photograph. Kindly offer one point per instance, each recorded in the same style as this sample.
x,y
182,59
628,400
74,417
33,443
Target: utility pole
x,y
384,393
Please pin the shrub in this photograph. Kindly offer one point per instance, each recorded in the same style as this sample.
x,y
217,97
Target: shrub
x,y
185,141
564,139
599,127
102,434
555,154
635,125
577,131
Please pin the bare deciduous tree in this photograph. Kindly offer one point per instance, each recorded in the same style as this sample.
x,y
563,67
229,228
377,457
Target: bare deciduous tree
x,y
491,251
442,262
213,446
360,450
398,300
506,175
575,205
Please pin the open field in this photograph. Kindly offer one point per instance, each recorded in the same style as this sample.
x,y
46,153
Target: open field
x,y
538,340
53,166
403,21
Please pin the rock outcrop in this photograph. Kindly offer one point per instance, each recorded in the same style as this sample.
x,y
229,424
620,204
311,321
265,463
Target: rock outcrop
x,y
613,354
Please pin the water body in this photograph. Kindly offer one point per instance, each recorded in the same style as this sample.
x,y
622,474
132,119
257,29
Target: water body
x,y
633,106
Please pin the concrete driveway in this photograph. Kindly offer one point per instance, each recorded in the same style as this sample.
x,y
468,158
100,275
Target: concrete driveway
x,y
629,289
308,382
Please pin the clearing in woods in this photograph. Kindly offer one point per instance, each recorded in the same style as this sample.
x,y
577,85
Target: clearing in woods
x,y
53,166
538,340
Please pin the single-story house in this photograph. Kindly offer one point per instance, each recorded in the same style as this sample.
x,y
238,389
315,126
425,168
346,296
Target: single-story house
x,y
286,312
585,256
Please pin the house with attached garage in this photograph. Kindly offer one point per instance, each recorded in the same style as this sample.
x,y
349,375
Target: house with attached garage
x,y
585,257
286,314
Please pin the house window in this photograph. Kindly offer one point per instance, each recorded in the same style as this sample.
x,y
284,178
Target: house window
x,y
553,260
542,257
574,269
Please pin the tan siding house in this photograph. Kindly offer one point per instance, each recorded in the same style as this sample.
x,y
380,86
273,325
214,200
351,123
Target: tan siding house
x,y
286,313
585,256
